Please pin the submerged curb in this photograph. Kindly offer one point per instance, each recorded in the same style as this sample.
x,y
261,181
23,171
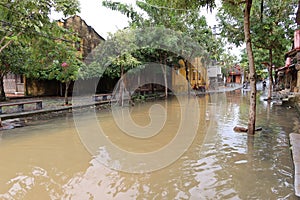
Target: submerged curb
x,y
295,143
96,103
14,115
49,110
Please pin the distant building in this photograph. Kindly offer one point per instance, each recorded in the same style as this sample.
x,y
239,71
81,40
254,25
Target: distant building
x,y
235,74
288,76
196,73
90,39
214,74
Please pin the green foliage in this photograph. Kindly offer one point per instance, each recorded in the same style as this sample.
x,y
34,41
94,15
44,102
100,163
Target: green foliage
x,y
231,21
12,59
262,56
50,67
160,12
227,60
46,54
25,19
92,70
271,30
27,30
179,16
115,54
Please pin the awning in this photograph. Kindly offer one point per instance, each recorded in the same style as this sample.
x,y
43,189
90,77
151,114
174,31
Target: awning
x,y
281,68
285,67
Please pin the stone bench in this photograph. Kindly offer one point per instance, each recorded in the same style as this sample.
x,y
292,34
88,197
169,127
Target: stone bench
x,y
39,105
143,91
102,97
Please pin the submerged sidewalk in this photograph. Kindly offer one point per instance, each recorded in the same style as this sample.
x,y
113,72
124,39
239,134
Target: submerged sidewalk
x,y
228,88
295,146
50,104
56,104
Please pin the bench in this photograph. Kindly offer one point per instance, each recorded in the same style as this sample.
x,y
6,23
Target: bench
x,y
102,97
143,91
39,105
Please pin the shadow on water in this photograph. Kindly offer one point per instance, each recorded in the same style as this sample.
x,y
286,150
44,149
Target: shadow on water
x,y
49,161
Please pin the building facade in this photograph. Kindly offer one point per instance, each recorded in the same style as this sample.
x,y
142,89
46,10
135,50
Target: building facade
x,y
288,76
194,71
235,74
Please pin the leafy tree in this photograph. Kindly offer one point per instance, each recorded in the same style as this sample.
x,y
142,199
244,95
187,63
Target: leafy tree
x,y
66,72
167,13
252,110
61,63
25,21
113,58
11,60
182,17
227,60
234,17
270,33
273,31
120,65
122,43
22,19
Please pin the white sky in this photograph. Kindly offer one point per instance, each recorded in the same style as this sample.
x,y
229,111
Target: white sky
x,y
104,20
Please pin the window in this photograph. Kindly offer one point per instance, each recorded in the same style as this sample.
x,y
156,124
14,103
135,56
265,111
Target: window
x,y
194,75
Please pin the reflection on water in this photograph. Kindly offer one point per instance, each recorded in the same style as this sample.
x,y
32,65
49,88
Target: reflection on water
x,y
48,161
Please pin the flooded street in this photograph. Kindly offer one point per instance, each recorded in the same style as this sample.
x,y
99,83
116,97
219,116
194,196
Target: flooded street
x,y
47,160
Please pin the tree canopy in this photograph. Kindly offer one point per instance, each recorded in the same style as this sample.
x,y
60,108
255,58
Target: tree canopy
x,y
182,16
30,18
27,25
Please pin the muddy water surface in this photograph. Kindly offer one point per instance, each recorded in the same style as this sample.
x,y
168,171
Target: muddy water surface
x,y
47,159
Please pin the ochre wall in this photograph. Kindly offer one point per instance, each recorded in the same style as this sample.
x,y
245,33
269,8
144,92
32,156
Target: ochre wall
x,y
42,87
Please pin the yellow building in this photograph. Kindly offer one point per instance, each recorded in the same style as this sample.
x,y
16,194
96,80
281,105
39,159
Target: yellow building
x,y
197,75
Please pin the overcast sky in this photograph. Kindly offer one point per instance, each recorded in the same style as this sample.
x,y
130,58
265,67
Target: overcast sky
x,y
104,20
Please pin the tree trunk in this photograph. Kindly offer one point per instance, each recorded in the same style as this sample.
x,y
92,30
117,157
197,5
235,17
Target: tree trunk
x,y
270,70
2,92
261,10
298,14
187,76
139,82
152,88
165,75
66,92
163,62
121,101
164,69
252,108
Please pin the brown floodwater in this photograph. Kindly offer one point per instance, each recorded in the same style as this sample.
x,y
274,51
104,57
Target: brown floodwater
x,y
50,159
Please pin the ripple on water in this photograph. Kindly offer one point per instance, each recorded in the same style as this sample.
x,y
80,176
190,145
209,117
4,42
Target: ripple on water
x,y
221,164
